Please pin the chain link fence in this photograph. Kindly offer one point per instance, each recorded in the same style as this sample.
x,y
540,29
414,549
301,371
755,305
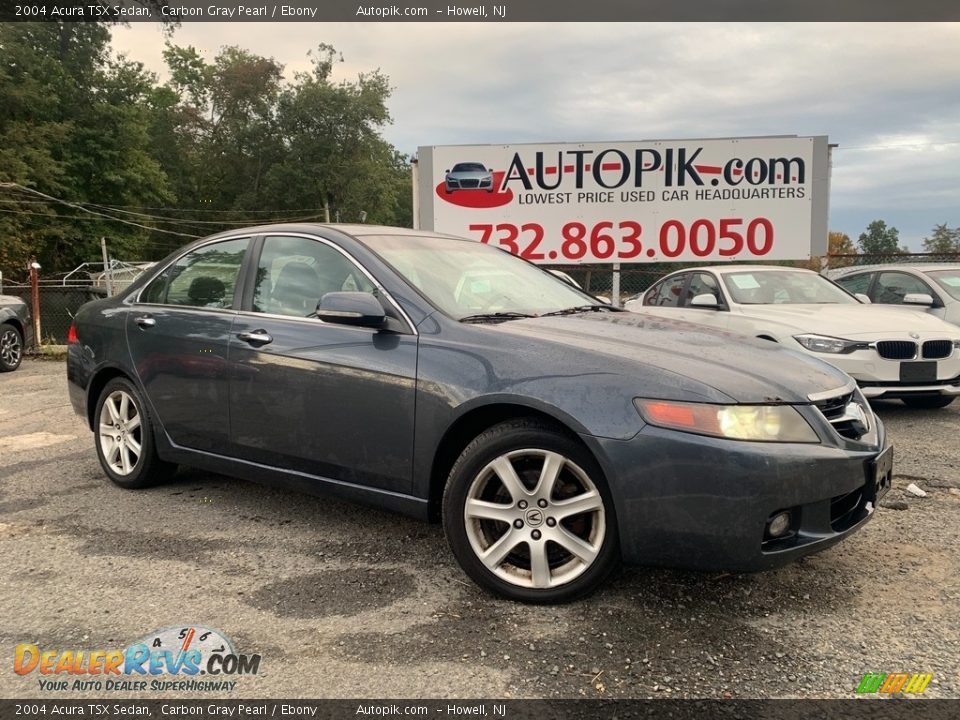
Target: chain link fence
x,y
58,305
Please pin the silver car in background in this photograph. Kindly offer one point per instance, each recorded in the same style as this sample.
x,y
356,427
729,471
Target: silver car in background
x,y
468,176
934,287
15,331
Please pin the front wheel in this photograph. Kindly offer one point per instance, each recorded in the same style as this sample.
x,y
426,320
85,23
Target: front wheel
x,y
11,348
928,402
123,436
528,514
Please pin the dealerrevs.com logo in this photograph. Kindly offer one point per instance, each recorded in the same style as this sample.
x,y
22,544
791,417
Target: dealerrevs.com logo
x,y
893,683
187,658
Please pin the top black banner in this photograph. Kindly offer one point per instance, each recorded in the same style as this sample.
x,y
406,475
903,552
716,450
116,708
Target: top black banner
x,y
180,11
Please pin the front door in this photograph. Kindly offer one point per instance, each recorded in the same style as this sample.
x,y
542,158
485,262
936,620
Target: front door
x,y
320,398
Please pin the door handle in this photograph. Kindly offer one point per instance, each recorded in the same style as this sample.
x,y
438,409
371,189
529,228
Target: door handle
x,y
145,321
256,337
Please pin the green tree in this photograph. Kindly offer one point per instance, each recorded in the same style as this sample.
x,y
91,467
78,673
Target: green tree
x,y
72,126
880,240
943,240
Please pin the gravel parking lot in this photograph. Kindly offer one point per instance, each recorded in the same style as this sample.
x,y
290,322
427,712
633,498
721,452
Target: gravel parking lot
x,y
344,601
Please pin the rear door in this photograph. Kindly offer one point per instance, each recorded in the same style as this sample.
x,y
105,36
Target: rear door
x,y
320,398
178,333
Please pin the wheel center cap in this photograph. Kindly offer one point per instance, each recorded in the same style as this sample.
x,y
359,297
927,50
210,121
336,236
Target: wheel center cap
x,y
534,517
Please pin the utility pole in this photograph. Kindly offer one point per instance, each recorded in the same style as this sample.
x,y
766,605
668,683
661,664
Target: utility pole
x,y
35,300
107,272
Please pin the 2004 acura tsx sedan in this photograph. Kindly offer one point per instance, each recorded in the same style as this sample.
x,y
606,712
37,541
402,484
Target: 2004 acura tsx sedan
x,y
444,378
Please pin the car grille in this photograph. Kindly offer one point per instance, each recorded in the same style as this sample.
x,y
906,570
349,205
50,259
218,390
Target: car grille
x,y
937,349
834,410
897,349
469,183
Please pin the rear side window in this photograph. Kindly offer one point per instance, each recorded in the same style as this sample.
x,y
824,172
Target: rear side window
x,y
205,277
856,284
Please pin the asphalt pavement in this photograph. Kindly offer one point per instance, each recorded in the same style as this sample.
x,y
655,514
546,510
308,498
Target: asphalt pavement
x,y
341,600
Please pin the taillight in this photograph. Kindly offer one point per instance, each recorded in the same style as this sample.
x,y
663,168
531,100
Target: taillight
x,y
72,334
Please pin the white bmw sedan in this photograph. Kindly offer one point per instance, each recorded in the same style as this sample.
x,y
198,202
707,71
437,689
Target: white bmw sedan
x,y
890,352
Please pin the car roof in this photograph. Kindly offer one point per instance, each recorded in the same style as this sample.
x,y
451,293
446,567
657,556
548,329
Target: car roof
x,y
920,267
745,268
357,231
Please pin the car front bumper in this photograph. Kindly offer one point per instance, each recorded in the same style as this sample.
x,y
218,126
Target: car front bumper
x,y
703,503
878,377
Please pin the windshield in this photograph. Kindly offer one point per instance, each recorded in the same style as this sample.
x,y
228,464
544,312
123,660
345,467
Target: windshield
x,y
469,167
465,278
783,287
949,280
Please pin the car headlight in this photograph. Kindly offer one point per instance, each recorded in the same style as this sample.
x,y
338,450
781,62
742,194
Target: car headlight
x,y
760,423
827,344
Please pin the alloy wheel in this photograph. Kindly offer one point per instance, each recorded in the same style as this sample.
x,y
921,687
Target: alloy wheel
x,y
10,349
534,518
121,433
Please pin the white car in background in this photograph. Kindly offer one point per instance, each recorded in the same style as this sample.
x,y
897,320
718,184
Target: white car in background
x,y
934,288
890,352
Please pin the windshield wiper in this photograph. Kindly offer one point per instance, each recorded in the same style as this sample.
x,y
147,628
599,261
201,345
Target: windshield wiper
x,y
580,309
496,317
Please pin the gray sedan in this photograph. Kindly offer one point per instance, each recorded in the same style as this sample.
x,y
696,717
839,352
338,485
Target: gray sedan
x,y
16,331
446,379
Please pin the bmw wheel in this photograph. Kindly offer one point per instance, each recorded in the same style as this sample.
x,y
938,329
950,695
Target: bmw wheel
x,y
124,438
11,347
528,515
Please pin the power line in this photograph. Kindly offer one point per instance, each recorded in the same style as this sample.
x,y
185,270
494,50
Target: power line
x,y
17,186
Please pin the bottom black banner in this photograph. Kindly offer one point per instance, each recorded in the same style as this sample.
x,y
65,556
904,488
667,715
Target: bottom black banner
x,y
894,709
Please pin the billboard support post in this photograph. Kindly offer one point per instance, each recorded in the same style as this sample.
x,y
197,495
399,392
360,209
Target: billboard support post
x,y
615,290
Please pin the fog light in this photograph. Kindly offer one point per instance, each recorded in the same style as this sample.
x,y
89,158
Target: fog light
x,y
778,525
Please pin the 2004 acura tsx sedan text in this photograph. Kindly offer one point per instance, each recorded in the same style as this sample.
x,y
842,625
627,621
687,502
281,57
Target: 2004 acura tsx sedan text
x,y
444,378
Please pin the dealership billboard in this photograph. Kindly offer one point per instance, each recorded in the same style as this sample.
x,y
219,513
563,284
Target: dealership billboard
x,y
761,198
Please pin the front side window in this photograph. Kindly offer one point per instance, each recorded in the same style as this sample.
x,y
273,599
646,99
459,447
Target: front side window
x,y
294,273
670,292
205,277
703,284
892,287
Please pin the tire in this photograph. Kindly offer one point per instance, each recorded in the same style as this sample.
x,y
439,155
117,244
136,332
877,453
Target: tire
x,y
928,402
475,487
121,415
11,347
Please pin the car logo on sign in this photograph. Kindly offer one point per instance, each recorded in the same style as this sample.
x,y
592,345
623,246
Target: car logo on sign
x,y
915,336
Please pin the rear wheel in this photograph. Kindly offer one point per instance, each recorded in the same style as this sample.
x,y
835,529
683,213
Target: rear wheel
x,y
11,347
528,514
928,402
124,438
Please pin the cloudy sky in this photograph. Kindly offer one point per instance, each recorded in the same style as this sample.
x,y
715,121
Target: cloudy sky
x,y
887,93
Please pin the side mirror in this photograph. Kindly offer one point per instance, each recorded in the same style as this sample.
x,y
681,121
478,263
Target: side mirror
x,y
863,298
918,299
705,300
489,169
351,308
447,172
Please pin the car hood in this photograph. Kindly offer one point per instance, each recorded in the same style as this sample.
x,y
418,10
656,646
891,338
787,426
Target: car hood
x,y
852,321
742,369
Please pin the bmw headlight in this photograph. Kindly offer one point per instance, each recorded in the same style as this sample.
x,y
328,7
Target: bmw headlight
x,y
827,344
759,423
